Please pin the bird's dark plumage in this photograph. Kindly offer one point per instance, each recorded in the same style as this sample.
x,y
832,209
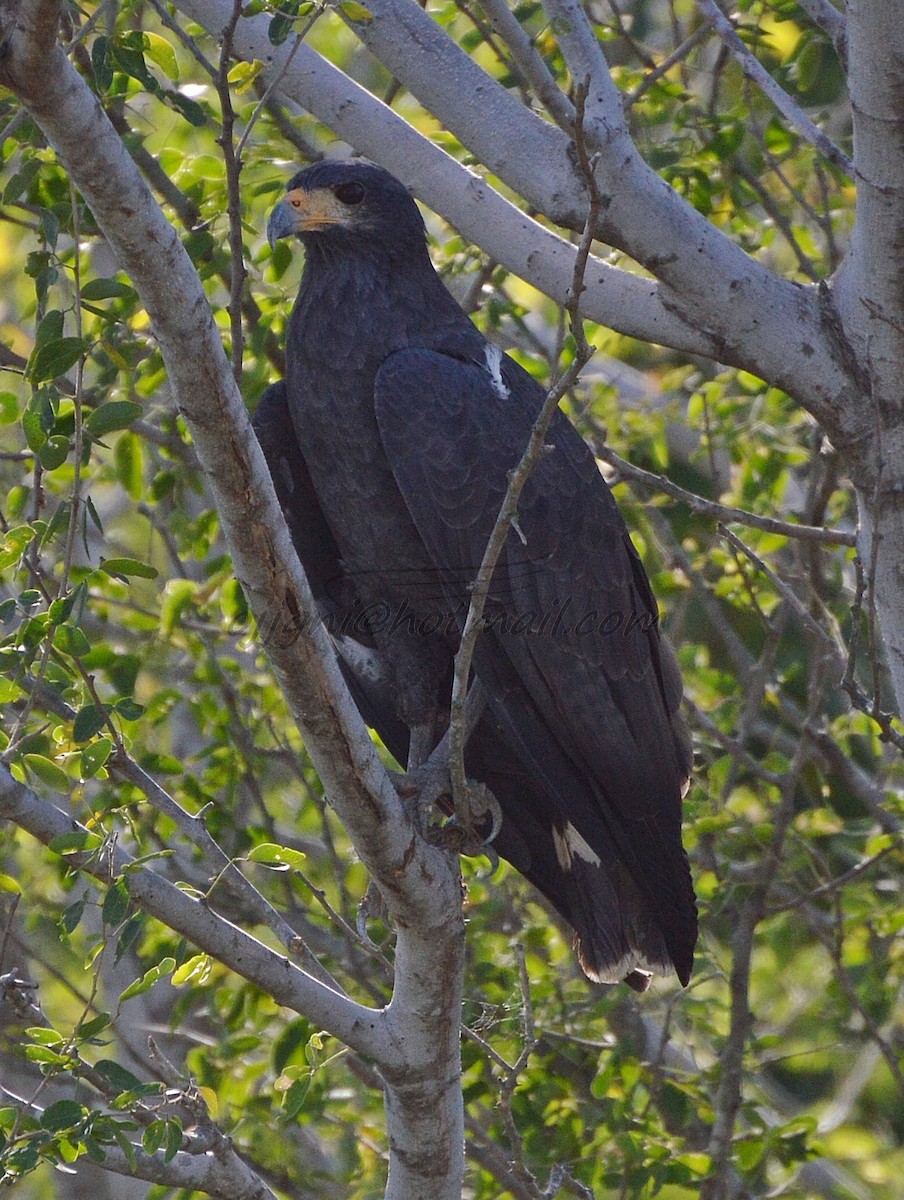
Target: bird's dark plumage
x,y
390,444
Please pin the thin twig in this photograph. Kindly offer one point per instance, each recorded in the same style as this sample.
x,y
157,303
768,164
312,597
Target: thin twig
x,y
788,594
277,78
233,163
678,55
723,512
729,1094
755,71
517,480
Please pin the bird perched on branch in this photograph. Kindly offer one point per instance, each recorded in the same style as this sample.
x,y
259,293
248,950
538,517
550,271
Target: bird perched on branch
x,y
390,442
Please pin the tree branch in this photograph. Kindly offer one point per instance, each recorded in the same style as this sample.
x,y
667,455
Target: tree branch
x,y
748,316
824,14
722,512
755,71
530,62
362,1028
416,1041
264,560
613,297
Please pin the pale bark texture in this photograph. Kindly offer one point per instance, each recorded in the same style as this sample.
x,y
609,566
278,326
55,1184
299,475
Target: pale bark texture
x,y
831,359
419,883
836,347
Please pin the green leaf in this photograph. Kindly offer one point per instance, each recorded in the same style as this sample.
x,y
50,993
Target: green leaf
x,y
295,1097
76,842
126,939
14,544
129,709
100,63
129,465
89,720
200,244
243,75
117,1076
173,1140
44,1036
178,595
94,756
128,566
33,428
60,610
42,1055
50,328
62,1115
8,884
48,772
279,858
190,109
54,452
21,181
9,408
116,414
55,359
149,978
70,917
50,224
153,1137
196,969
105,289
116,903
279,29
71,640
294,1037
90,1029
159,51
353,11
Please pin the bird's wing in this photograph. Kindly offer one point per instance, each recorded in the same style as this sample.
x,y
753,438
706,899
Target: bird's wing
x,y
574,660
334,590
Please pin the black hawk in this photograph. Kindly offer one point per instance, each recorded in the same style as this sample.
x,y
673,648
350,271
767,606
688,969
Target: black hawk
x,y
390,442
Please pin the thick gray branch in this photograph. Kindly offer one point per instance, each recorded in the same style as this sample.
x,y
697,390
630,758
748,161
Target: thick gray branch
x,y
418,878
871,303
712,298
748,316
622,301
416,1041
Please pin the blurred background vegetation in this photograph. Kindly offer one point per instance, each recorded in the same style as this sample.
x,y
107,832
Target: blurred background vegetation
x,y
124,624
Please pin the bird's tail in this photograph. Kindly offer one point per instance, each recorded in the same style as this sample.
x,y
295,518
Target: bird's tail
x,y
616,935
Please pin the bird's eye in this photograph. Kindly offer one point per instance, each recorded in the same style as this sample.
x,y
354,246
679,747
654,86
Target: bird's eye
x,y
350,193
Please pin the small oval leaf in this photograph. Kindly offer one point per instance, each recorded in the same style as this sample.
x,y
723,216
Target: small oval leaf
x,y
116,414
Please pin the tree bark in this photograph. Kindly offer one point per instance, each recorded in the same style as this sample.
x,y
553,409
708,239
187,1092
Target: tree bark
x,y
420,883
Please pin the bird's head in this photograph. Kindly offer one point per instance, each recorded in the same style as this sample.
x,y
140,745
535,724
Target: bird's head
x,y
348,202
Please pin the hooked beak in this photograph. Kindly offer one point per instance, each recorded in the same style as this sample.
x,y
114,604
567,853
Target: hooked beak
x,y
303,212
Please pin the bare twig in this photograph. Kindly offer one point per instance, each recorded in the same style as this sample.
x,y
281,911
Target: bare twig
x,y
530,62
679,54
517,479
276,80
729,1093
358,1026
723,512
788,594
232,161
754,70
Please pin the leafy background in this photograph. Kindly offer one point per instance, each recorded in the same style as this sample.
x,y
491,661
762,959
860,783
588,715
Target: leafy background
x,y
124,632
